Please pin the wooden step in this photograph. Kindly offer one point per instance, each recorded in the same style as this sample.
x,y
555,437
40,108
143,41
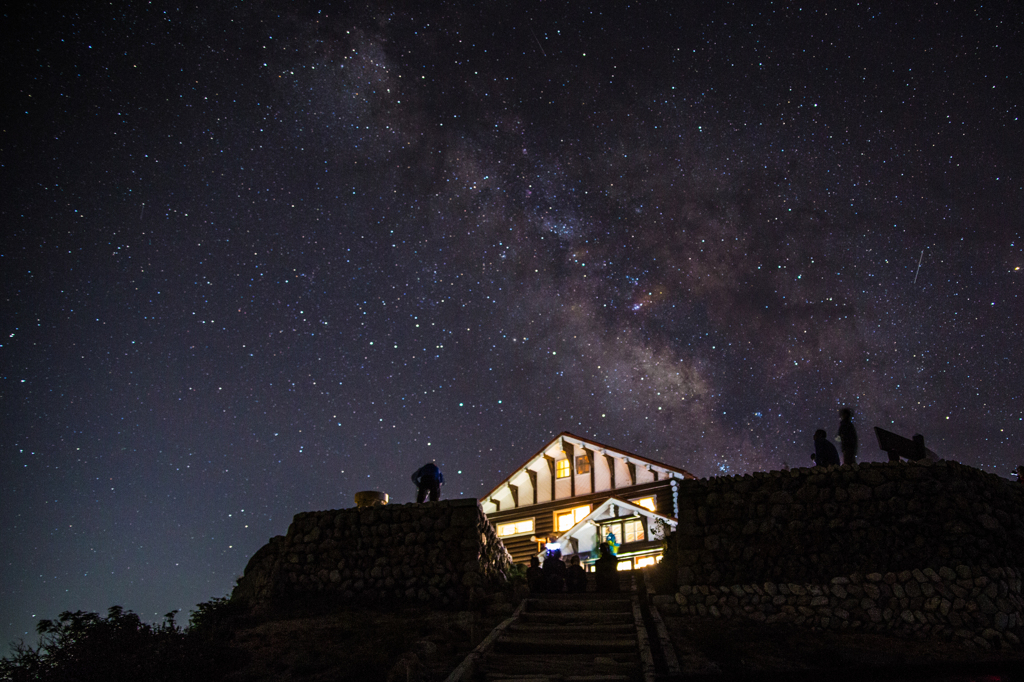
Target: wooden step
x,y
581,629
562,666
541,644
499,677
541,604
580,618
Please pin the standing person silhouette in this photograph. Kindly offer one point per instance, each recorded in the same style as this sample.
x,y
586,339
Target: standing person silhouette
x,y
847,436
606,568
428,479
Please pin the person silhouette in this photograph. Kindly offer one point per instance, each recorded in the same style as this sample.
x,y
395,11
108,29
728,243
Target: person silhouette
x,y
576,577
428,479
847,436
825,454
606,568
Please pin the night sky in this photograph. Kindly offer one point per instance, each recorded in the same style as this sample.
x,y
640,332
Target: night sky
x,y
260,256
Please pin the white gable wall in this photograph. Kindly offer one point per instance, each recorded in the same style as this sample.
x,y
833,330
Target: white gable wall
x,y
563,487
602,479
583,484
543,481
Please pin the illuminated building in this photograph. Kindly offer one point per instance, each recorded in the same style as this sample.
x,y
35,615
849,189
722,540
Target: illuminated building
x,y
573,492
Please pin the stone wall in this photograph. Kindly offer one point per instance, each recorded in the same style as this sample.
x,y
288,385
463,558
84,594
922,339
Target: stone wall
x,y
984,607
440,552
810,525
911,548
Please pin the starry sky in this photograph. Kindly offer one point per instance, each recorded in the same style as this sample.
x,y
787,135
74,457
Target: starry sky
x,y
259,256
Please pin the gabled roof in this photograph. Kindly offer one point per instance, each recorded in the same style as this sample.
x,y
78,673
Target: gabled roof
x,y
598,513
590,445
621,504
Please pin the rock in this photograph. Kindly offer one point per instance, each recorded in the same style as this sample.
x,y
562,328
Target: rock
x,y
407,667
424,649
989,634
987,522
1000,621
859,492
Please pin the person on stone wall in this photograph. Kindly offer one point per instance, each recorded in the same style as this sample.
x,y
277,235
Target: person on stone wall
x,y
607,570
825,454
428,479
576,577
847,436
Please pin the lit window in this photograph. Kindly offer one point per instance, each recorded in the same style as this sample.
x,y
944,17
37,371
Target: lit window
x,y
583,464
562,468
646,503
614,529
624,566
515,528
565,520
632,531
642,561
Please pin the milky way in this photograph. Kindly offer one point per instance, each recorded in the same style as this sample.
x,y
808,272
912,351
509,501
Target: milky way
x,y
259,257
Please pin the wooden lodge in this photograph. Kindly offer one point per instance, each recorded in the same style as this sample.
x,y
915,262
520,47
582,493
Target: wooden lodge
x,y
575,493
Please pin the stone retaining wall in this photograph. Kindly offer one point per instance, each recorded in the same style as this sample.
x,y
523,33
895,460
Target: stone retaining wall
x,y
984,607
920,549
808,525
441,552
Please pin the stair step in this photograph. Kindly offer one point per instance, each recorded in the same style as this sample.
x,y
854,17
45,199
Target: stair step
x,y
561,666
556,629
574,618
529,644
554,605
498,677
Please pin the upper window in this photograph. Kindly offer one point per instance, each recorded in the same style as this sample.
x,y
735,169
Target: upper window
x,y
612,529
627,531
583,464
564,520
633,531
562,468
515,528
646,503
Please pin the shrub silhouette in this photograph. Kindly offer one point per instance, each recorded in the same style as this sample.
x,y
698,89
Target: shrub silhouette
x,y
84,646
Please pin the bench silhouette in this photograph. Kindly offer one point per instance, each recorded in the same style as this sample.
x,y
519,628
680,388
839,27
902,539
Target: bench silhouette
x,y
897,446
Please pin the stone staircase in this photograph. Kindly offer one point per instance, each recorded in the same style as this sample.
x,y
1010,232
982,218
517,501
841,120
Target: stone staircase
x,y
586,637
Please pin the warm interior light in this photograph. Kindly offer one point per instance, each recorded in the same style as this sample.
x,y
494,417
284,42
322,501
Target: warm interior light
x,y
515,528
646,503
569,518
